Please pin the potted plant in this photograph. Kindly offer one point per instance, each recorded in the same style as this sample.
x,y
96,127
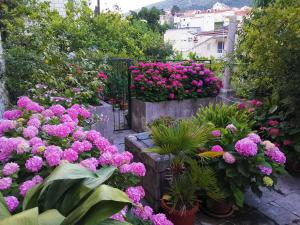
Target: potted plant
x,y
245,161
180,140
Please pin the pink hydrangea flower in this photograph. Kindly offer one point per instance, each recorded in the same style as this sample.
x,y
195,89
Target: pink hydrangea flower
x,y
70,155
62,131
135,193
23,146
5,183
34,164
217,148
106,159
12,203
84,113
34,122
246,147
120,215
30,132
228,158
47,113
231,128
7,125
101,143
121,158
53,155
79,135
35,141
276,155
93,135
24,187
90,163
37,179
265,170
160,219
58,110
78,146
34,107
143,213
12,114
110,148
254,137
23,102
10,168
137,169
216,133
87,146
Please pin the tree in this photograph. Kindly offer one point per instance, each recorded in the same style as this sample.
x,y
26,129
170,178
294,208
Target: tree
x,y
175,9
268,54
41,49
262,3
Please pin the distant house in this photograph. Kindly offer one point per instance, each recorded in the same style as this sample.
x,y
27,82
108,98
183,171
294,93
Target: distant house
x,y
202,31
59,5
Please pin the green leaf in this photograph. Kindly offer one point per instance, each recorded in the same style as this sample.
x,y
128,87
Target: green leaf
x,y
273,109
242,168
105,199
3,208
32,196
103,175
238,196
230,172
28,217
50,217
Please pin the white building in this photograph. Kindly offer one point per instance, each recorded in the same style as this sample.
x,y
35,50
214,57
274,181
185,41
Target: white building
x,y
59,5
203,32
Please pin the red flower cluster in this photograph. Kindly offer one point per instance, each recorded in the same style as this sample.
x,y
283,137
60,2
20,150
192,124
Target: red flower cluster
x,y
168,81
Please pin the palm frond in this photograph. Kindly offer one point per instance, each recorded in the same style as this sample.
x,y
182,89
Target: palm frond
x,y
184,136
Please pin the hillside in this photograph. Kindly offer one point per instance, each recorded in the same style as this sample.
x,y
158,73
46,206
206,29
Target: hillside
x,y
198,4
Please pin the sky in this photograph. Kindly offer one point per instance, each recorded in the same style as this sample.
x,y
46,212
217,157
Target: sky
x,y
125,5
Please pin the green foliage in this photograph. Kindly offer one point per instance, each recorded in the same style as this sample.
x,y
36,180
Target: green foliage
x,y
268,54
41,42
71,194
275,115
184,138
167,121
220,115
151,17
262,3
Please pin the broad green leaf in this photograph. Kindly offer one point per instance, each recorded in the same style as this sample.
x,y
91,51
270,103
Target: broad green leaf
x,y
103,175
28,217
50,217
75,194
32,196
273,109
117,200
3,208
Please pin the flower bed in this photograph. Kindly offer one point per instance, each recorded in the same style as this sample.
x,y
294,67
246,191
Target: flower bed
x,y
34,140
154,82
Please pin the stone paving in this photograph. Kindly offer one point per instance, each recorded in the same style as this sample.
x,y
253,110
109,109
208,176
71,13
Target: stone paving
x,y
281,207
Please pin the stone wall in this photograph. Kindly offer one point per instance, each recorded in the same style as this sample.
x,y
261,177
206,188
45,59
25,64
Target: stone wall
x,y
144,113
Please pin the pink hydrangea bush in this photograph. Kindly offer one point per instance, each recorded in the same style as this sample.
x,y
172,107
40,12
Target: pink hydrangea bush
x,y
169,81
246,161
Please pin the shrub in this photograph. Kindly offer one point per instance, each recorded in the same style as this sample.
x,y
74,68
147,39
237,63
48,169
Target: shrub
x,y
244,162
79,85
41,43
268,53
156,82
221,115
167,121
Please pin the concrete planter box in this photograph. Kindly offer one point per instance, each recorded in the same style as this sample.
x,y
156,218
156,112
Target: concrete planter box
x,y
154,182
145,112
104,123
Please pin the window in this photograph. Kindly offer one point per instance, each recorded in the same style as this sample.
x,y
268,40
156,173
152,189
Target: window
x,y
220,47
219,25
190,39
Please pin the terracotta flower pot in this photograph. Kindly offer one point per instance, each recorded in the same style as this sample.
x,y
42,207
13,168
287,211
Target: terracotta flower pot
x,y
179,218
218,209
